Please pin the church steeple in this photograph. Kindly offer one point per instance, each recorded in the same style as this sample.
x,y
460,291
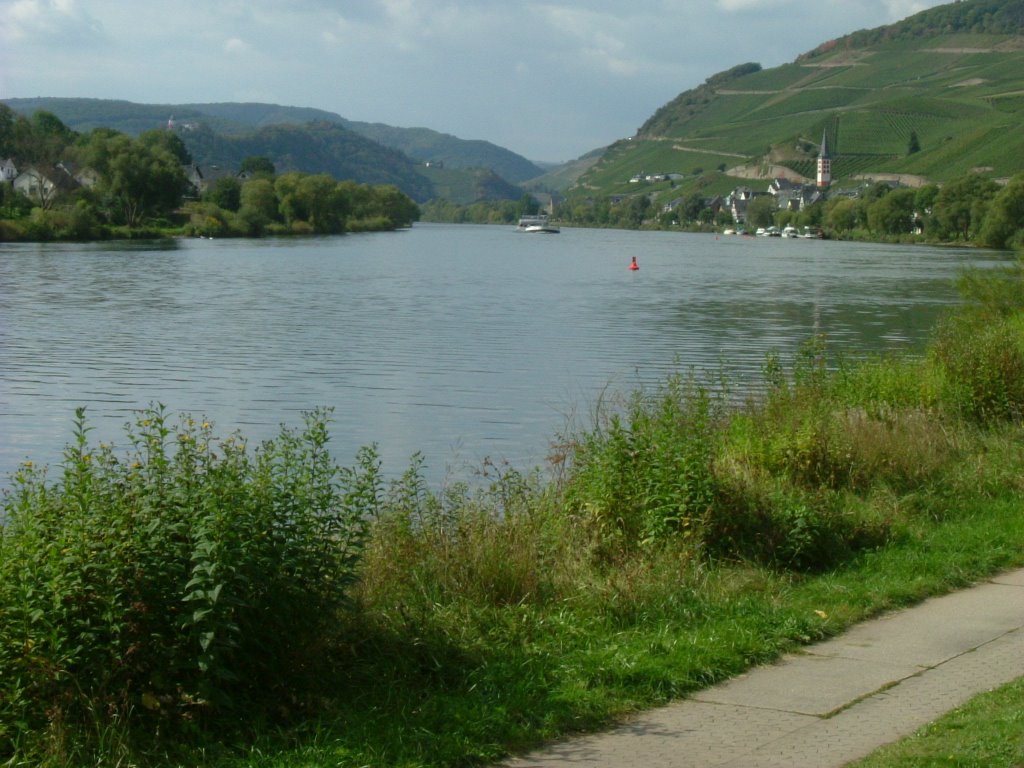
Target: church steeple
x,y
824,163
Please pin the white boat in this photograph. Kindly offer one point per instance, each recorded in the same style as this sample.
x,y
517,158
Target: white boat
x,y
538,223
790,231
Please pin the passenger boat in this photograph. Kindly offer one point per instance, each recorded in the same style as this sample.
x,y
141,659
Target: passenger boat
x,y
538,223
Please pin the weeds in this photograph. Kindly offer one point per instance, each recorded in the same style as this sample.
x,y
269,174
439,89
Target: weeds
x,y
183,583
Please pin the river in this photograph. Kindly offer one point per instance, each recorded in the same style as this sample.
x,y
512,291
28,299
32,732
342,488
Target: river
x,y
461,342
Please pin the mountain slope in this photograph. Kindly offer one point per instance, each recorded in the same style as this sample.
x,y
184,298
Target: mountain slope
x,y
317,147
235,118
952,76
425,144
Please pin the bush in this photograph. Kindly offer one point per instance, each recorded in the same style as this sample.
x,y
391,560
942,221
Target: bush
x,y
646,476
980,349
189,580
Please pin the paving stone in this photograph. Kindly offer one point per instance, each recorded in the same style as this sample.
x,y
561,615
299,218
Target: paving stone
x,y
833,703
808,684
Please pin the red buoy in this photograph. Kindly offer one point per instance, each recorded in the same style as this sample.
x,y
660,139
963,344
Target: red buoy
x,y
633,264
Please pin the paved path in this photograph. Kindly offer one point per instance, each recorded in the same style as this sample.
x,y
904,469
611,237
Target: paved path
x,y
829,703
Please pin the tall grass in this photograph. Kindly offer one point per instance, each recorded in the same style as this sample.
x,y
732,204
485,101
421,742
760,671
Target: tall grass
x,y
167,606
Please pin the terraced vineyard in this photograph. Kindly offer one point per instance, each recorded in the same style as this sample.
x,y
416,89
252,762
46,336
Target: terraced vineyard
x,y
940,76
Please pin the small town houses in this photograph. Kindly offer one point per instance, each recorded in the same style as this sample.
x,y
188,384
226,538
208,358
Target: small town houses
x,y
44,184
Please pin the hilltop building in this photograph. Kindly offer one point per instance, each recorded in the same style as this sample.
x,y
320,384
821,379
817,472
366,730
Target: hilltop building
x,y
824,163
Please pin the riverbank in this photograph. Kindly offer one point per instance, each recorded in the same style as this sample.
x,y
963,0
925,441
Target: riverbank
x,y
680,540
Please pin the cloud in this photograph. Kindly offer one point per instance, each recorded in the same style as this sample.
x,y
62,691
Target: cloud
x,y
734,6
234,45
48,22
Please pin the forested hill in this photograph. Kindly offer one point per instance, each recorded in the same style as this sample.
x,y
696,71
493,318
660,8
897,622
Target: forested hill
x,y
316,147
930,98
429,145
421,144
232,119
982,17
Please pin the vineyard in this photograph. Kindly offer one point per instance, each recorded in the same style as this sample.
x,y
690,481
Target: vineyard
x,y
908,101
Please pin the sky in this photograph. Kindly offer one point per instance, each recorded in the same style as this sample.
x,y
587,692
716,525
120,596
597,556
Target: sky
x,y
549,80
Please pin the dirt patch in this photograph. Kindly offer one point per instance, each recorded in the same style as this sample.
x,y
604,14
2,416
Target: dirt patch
x,y
767,172
966,83
906,179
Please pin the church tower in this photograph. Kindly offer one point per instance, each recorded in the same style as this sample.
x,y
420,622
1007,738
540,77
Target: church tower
x,y
824,163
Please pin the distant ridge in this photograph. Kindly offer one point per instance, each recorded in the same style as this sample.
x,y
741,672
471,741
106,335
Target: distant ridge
x,y
232,118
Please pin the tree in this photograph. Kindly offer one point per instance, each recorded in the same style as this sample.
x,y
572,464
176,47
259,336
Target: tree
x,y
924,200
39,140
170,142
843,215
913,145
257,166
226,193
961,204
8,118
291,205
259,205
397,207
1003,226
97,148
144,180
325,201
633,212
892,214
692,207
761,211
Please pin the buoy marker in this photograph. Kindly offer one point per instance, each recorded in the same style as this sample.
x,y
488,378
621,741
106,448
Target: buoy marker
x,y
633,265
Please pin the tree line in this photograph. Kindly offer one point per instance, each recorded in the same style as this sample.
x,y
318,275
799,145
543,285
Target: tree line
x,y
971,209
104,183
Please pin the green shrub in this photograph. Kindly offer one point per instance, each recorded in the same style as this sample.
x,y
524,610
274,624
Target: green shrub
x,y
188,580
645,476
982,359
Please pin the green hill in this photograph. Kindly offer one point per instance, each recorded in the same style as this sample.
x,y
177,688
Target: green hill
x,y
952,76
426,145
316,147
240,119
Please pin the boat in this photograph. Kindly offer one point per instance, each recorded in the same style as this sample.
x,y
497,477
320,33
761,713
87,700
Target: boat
x,y
537,223
790,231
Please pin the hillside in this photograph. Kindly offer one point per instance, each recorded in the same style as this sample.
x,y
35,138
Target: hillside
x,y
317,147
427,145
234,119
952,76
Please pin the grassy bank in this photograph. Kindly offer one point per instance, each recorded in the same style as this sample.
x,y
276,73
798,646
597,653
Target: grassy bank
x,y
190,600
986,732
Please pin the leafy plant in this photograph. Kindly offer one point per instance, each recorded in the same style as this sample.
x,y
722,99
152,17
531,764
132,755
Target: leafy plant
x,y
190,579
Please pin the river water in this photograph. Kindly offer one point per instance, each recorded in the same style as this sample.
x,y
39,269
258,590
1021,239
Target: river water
x,y
461,342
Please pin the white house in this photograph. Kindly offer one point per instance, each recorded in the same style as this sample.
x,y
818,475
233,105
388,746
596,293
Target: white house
x,y
8,171
42,186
